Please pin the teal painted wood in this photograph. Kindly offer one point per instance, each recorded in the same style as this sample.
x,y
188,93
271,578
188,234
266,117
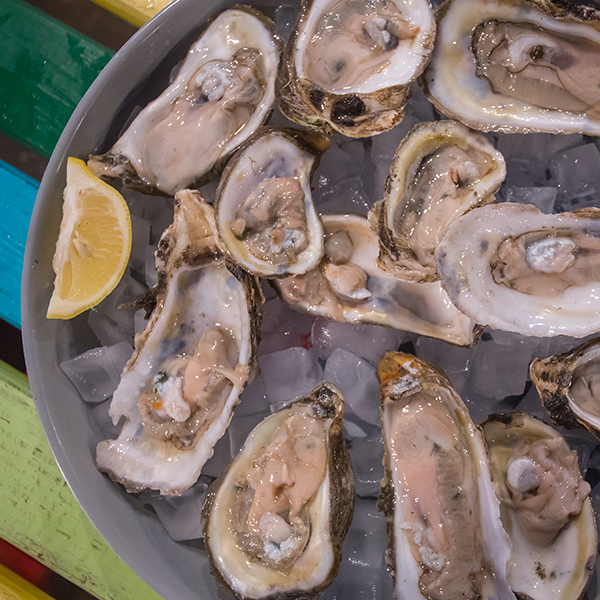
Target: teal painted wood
x,y
17,197
45,68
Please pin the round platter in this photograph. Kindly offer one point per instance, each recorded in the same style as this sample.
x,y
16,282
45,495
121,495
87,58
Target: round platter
x,y
179,570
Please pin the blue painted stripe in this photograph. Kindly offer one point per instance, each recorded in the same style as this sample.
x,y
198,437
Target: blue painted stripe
x,y
17,197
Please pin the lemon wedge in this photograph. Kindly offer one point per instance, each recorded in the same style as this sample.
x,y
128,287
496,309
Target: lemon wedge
x,y
93,244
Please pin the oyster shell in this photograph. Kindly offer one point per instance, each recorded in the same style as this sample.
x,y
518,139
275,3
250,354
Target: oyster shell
x,y
349,63
349,286
440,171
512,267
517,66
567,385
190,364
224,91
263,207
275,521
544,507
445,535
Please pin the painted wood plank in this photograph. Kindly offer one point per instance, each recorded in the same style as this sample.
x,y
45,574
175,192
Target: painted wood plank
x,y
13,587
136,12
45,68
38,512
17,197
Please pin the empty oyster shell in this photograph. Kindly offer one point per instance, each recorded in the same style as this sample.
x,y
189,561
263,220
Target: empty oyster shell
x,y
544,506
446,537
440,171
512,267
517,66
568,386
190,364
349,63
264,208
275,521
349,286
224,91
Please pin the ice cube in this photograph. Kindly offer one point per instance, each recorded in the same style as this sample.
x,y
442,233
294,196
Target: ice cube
x,y
363,572
110,323
542,198
221,457
285,18
366,455
367,341
577,173
454,361
139,321
96,373
357,380
283,327
140,239
335,166
347,196
240,428
104,421
500,369
180,515
290,374
253,399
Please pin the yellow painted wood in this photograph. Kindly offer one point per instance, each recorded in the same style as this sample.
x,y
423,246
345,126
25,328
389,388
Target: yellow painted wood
x,y
136,12
38,512
13,587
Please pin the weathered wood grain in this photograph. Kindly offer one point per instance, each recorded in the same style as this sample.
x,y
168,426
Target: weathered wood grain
x,y
38,512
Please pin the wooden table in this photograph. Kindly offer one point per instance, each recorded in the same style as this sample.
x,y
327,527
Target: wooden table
x,y
45,68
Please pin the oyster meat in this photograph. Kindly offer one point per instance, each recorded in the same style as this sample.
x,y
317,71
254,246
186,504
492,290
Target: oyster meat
x,y
446,537
223,92
440,171
190,364
512,267
264,208
517,66
349,286
568,386
544,506
275,521
349,64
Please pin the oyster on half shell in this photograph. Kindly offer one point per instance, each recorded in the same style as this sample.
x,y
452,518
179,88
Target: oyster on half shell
x,y
275,521
224,90
544,506
349,286
264,208
349,64
190,364
512,267
445,535
568,386
441,170
517,66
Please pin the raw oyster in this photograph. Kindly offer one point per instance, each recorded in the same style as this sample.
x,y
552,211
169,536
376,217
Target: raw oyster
x,y
443,519
514,268
264,208
544,507
568,386
275,521
349,286
223,92
349,63
440,171
517,66
190,364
